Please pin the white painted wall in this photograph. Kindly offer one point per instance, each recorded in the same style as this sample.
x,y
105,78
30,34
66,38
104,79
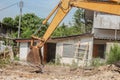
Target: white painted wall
x,y
85,40
23,51
59,52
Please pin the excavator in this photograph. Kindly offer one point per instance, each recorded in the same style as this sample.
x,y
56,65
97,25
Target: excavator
x,y
60,11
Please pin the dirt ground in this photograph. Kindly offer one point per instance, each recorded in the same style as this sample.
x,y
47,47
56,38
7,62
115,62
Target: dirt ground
x,y
23,71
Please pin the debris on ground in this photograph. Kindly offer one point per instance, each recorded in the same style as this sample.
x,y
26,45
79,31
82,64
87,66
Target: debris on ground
x,y
23,71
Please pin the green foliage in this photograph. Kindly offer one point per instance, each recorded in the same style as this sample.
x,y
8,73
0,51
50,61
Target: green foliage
x,y
96,62
4,62
61,31
64,30
74,30
88,27
77,28
78,20
26,33
29,24
8,21
114,54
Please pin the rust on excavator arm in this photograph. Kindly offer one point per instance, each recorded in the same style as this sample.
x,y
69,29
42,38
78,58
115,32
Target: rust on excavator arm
x,y
60,11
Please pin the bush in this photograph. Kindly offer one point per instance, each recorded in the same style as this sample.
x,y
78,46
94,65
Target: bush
x,y
4,62
114,54
96,62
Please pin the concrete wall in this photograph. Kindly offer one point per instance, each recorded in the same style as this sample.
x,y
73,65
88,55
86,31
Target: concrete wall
x,y
105,26
23,51
82,41
59,52
106,21
87,55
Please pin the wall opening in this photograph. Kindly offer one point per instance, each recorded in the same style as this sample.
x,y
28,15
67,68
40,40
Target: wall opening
x,y
99,51
49,52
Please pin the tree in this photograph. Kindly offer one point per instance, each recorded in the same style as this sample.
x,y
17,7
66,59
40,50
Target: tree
x,y
30,23
77,28
64,30
88,17
78,20
8,21
61,31
9,26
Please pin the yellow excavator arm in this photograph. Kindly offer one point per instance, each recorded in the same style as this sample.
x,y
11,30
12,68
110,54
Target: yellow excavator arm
x,y
62,9
65,6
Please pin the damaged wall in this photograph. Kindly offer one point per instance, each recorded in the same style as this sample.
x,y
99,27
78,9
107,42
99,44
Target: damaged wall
x,y
87,54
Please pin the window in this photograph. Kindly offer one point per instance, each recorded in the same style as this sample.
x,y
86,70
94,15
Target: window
x,y
68,50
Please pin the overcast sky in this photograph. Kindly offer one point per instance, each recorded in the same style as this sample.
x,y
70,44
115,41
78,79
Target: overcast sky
x,y
40,7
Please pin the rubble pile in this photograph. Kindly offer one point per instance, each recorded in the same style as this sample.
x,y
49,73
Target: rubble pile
x,y
16,71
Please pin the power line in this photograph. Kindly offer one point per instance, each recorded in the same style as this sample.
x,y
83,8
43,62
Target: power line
x,y
8,6
4,2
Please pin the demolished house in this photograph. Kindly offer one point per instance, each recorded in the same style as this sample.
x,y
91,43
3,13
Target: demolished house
x,y
80,48
83,48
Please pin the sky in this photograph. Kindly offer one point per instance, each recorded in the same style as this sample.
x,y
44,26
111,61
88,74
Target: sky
x,y
41,8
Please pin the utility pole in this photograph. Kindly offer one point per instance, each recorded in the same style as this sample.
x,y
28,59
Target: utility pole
x,y
20,16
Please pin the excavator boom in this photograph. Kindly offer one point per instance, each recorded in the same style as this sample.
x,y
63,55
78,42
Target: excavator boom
x,y
60,11
104,7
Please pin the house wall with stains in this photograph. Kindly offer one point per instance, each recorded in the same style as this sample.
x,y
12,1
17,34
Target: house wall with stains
x,y
68,51
106,21
24,49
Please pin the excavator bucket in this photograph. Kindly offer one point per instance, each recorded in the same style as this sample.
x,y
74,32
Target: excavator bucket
x,y
34,56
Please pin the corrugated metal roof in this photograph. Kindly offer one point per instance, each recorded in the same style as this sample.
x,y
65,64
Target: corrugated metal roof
x,y
56,39
73,37
107,34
